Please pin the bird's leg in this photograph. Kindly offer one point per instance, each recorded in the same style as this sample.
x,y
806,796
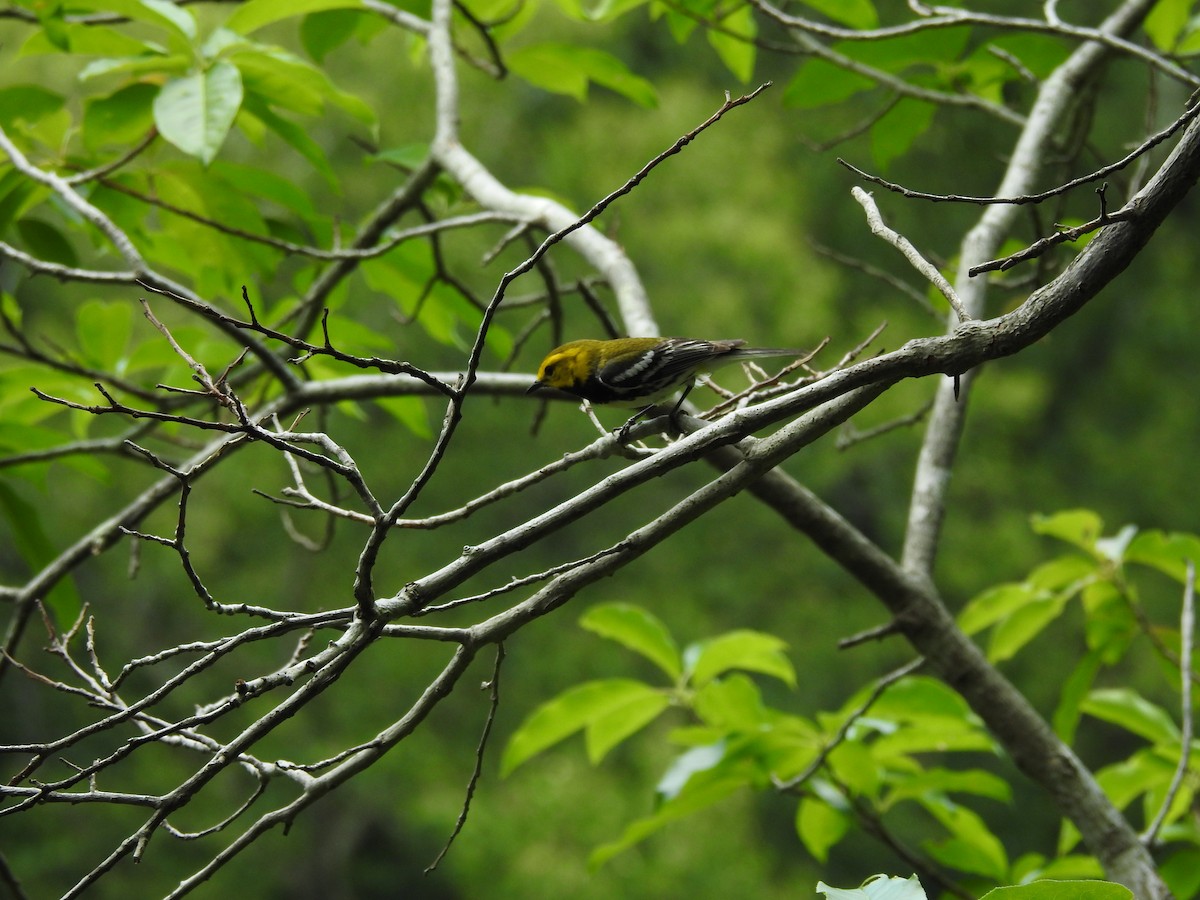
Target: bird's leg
x,y
623,432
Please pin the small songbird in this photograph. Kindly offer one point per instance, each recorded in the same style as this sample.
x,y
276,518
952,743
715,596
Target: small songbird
x,y
639,372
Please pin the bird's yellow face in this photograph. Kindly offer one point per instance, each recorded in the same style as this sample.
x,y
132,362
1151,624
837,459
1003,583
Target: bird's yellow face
x,y
563,367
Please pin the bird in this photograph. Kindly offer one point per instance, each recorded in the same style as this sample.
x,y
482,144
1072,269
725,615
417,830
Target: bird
x,y
639,372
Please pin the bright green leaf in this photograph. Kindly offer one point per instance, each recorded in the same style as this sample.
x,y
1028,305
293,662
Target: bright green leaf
x,y
731,704
325,31
410,412
734,42
103,331
752,651
569,68
638,630
1026,623
27,103
249,17
994,605
918,699
977,782
819,83
855,13
148,64
1133,712
1074,690
121,118
1062,573
84,40
177,20
1166,552
195,112
820,826
1181,872
1080,527
1166,22
700,794
971,846
295,136
898,129
608,729
569,712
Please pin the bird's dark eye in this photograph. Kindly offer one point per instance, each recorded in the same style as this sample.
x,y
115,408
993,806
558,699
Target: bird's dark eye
x,y
550,367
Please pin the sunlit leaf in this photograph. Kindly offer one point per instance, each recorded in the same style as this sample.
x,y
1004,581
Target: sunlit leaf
x,y
752,651
637,629
195,112
1133,712
820,826
251,16
569,712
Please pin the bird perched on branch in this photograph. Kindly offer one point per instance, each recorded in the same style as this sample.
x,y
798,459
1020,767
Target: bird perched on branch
x,y
639,372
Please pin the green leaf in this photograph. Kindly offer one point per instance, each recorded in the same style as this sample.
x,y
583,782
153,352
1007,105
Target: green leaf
x,y
877,887
1128,709
699,794
1061,890
325,31
638,630
1075,689
27,103
251,16
121,118
895,133
30,541
731,704
1080,527
195,112
1167,552
83,40
296,137
147,64
819,83
971,847
103,331
608,729
569,68
820,827
46,241
178,21
285,81
569,712
977,782
921,700
1166,22
752,651
1018,629
410,412
1064,572
994,605
1181,872
855,13
736,50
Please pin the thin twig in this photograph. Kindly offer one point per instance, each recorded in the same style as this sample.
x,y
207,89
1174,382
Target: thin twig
x,y
1187,637
901,243
494,686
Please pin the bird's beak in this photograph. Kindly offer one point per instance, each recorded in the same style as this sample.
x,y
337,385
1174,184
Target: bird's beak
x,y
535,387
